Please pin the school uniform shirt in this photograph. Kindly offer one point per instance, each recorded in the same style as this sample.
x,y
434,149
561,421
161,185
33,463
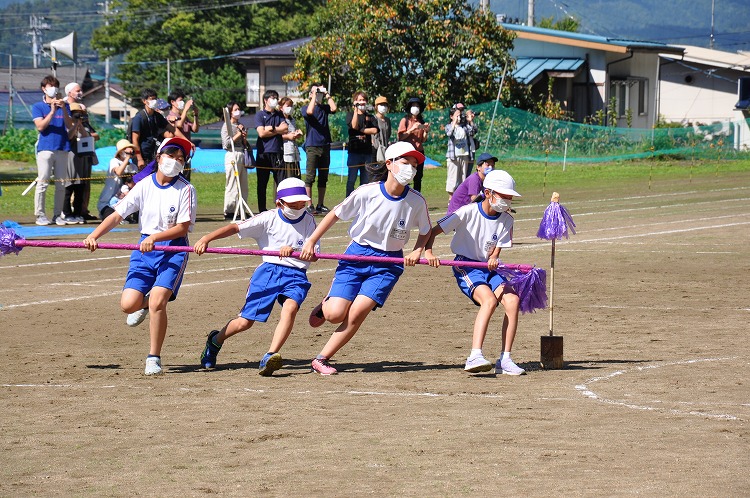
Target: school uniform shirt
x,y
477,233
381,221
272,230
160,206
55,135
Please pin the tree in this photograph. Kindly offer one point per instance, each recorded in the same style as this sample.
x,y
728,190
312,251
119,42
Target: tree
x,y
568,23
444,51
148,32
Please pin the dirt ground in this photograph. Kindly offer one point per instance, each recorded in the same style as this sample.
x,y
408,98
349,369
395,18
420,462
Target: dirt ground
x,y
654,399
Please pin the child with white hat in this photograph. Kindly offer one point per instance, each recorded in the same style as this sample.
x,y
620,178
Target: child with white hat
x,y
278,279
481,231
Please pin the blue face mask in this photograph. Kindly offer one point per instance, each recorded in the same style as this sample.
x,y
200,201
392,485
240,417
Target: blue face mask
x,y
487,169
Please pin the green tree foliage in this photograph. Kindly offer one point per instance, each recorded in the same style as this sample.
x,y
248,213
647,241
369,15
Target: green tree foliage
x,y
148,32
441,50
568,23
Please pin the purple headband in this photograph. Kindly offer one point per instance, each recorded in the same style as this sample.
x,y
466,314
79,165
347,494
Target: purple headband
x,y
286,192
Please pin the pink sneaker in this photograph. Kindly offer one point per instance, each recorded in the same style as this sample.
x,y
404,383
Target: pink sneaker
x,y
322,367
316,316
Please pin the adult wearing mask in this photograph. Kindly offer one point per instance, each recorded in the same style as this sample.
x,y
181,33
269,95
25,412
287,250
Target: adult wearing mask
x,y
461,148
291,150
52,121
414,130
382,138
471,189
361,127
178,117
270,124
318,144
148,127
237,135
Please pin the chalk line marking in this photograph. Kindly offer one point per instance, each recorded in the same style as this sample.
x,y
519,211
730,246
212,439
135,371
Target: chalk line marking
x,y
585,390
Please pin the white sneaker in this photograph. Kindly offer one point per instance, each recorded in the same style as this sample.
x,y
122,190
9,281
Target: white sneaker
x,y
68,220
59,221
153,366
42,220
478,364
136,318
507,367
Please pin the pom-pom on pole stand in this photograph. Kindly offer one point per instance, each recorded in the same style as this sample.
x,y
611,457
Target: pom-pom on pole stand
x,y
555,224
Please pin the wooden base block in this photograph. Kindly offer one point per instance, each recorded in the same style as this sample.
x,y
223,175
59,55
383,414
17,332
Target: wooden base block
x,y
552,352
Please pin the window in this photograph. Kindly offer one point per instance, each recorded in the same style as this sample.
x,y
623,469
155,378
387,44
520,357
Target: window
x,y
252,88
630,93
642,97
275,80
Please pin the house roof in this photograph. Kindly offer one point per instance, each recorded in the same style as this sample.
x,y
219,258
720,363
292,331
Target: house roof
x,y
589,41
529,68
739,61
284,50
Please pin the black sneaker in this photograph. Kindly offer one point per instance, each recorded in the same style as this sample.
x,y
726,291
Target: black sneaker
x,y
208,356
321,209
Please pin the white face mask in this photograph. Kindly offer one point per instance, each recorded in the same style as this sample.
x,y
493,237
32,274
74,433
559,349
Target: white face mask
x,y
78,96
51,91
414,111
180,104
151,103
382,109
291,214
405,173
361,107
170,167
500,205
236,114
287,110
273,103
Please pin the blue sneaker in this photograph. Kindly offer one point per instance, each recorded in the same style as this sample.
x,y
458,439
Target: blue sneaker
x,y
208,356
269,364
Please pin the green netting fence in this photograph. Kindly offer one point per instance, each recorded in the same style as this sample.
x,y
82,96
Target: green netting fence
x,y
524,136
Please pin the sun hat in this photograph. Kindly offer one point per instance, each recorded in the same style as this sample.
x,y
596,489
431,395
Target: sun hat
x,y
292,190
501,182
403,149
184,144
122,145
486,156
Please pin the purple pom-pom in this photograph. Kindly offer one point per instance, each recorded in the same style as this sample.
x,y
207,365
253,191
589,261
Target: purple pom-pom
x,y
556,223
8,238
531,288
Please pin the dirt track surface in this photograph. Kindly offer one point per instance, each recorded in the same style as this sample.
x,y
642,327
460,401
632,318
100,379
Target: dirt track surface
x,y
650,297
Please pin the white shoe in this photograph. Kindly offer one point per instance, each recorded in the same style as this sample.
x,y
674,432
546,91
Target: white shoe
x,y
42,220
60,221
477,364
153,366
507,367
136,318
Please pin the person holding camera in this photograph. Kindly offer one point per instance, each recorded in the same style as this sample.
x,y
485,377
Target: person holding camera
x,y
234,157
461,147
52,121
291,151
121,170
318,143
270,124
179,118
361,128
414,130
147,128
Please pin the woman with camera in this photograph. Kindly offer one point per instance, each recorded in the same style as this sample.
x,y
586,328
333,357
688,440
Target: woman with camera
x,y
461,148
414,130
361,127
234,160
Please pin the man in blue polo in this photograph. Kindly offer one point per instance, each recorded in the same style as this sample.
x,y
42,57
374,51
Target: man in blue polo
x,y
270,124
318,143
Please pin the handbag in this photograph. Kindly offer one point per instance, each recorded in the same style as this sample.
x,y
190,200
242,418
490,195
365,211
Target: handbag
x,y
249,159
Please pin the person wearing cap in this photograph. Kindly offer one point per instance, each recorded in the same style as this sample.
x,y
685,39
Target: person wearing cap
x,y
166,203
318,143
121,168
148,126
414,130
471,189
382,215
382,138
361,127
481,230
281,278
461,147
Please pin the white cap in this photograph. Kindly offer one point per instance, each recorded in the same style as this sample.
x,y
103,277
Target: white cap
x,y
501,182
403,149
69,87
292,190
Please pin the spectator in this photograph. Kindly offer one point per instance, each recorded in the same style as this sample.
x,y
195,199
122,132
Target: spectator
x,y
271,125
121,170
471,189
178,117
414,130
382,138
52,121
291,151
234,158
460,154
148,127
318,144
361,127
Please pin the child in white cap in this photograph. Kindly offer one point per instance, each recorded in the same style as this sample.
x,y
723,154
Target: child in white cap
x,y
278,279
482,230
382,215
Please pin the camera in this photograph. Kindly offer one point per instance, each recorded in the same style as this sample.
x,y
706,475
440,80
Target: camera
x,y
462,119
321,89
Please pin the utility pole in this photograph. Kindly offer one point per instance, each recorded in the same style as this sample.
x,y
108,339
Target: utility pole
x,y
530,21
10,91
107,117
484,6
711,41
36,25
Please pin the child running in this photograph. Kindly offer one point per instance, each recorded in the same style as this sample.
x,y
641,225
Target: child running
x,y
278,278
382,215
166,202
482,230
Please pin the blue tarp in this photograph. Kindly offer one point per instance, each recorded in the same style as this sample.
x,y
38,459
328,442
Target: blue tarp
x,y
28,232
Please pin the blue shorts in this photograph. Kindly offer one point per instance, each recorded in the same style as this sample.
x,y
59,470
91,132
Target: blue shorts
x,y
469,279
271,283
374,280
157,268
